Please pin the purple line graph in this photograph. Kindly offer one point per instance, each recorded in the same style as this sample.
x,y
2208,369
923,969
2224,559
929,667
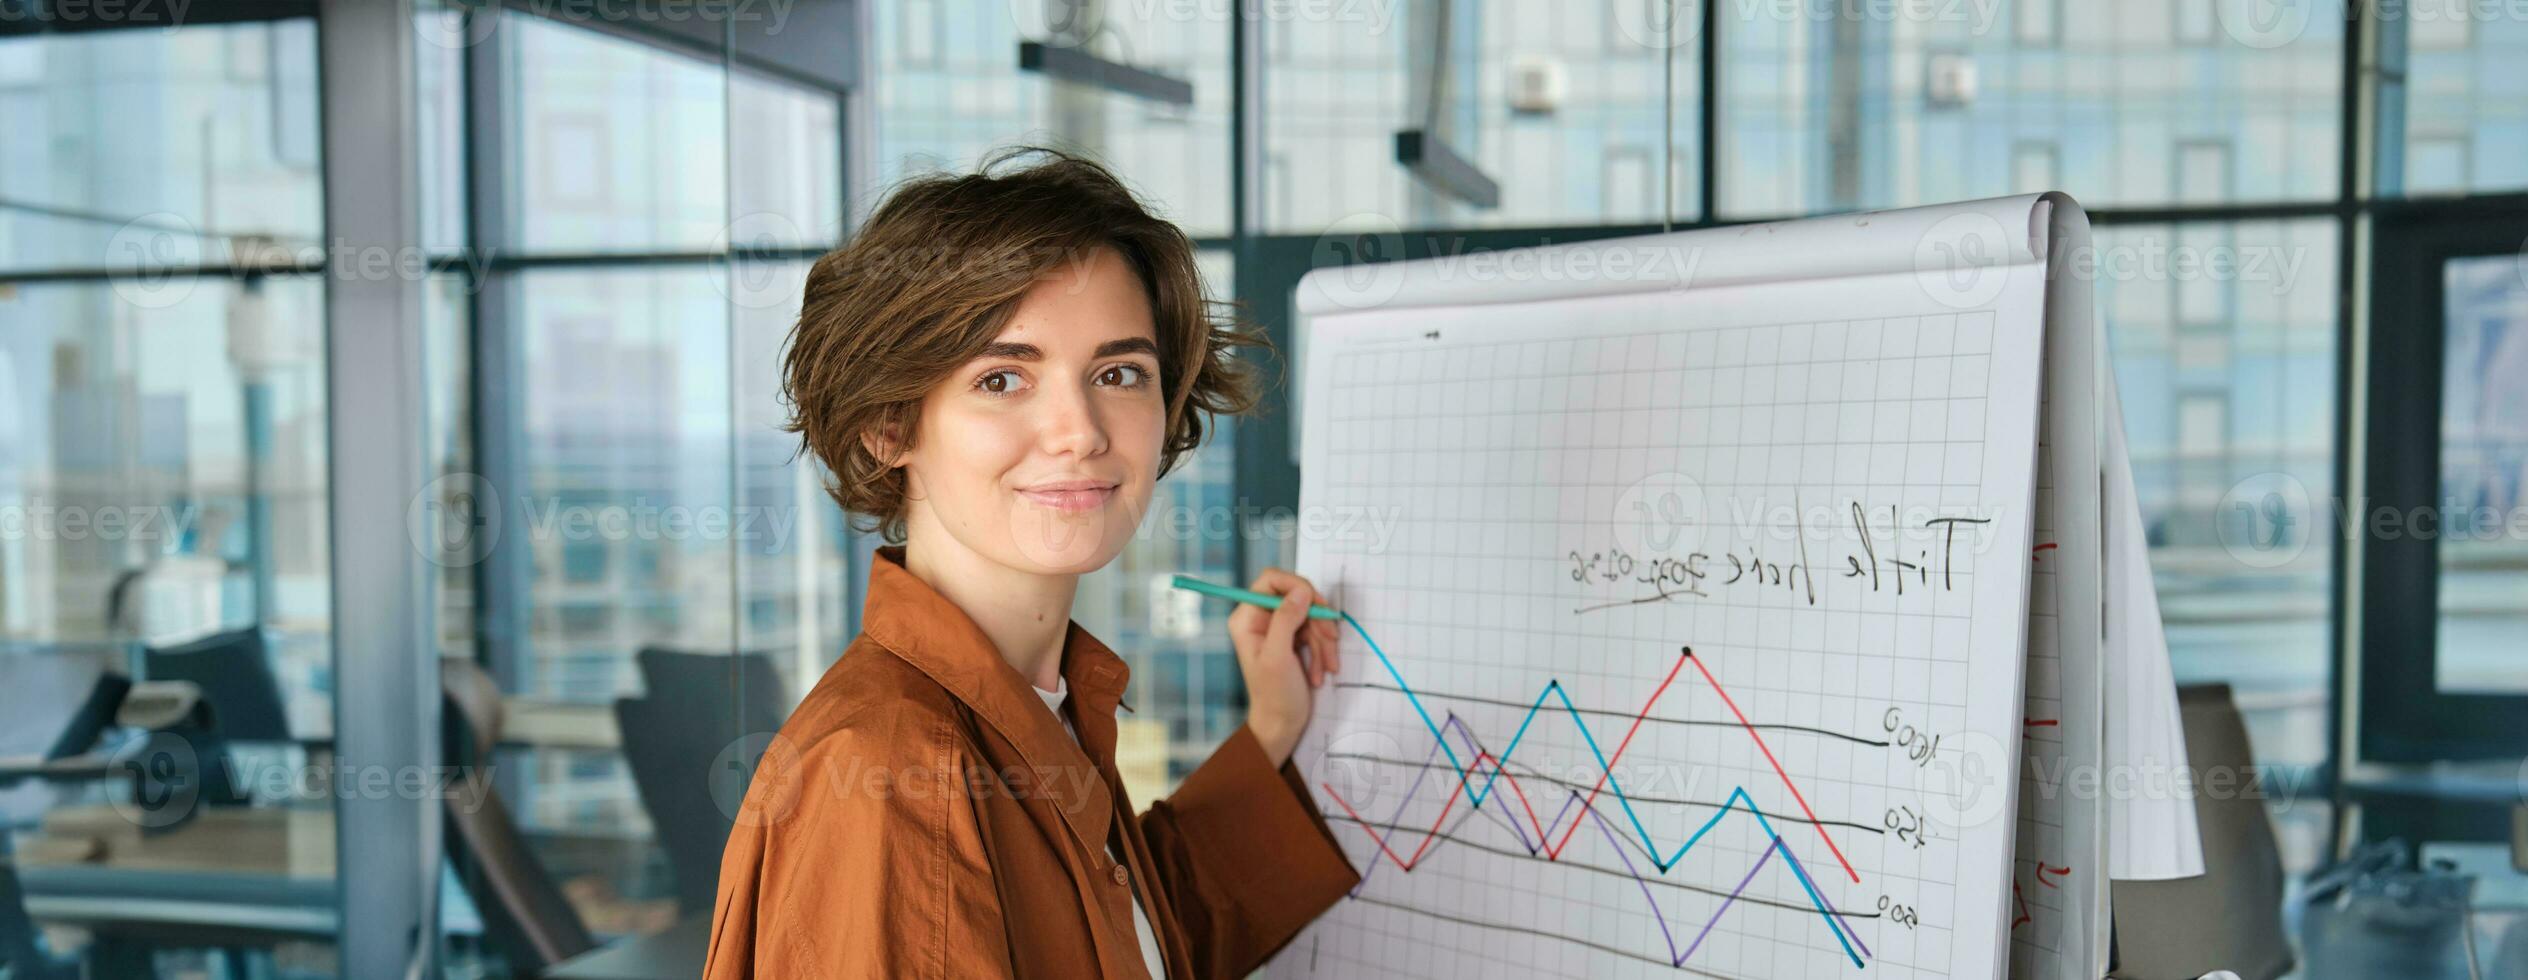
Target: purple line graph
x,y
1849,938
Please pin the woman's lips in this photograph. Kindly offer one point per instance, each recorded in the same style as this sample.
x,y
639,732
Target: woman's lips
x,y
1070,501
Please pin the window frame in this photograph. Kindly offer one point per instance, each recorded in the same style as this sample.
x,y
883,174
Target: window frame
x,y
2404,716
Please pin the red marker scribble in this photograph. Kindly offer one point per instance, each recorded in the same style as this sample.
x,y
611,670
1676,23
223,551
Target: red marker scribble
x,y
2042,870
2023,906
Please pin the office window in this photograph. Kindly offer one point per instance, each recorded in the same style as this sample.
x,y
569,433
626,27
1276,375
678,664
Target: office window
x,y
1630,184
191,466
2230,424
792,547
973,99
162,433
2202,426
1279,194
621,146
584,562
2037,23
784,164
2035,167
2483,477
917,28
654,505
2204,286
2200,23
2441,26
2436,165
2202,353
2204,263
585,622
2119,108
625,406
977,99
85,190
449,447
165,470
2465,101
573,174
1542,98
2203,171
1166,113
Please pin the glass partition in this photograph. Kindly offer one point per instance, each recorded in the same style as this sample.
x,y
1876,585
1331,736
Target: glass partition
x,y
1577,113
2483,475
2229,415
666,576
164,499
2129,104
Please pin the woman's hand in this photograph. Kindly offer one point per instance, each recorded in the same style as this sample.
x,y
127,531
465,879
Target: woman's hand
x,y
1280,679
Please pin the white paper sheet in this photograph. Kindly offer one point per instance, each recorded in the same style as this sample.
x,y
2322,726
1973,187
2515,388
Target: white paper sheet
x,y
2151,825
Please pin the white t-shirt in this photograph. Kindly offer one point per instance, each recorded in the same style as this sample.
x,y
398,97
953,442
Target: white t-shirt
x,y
1150,956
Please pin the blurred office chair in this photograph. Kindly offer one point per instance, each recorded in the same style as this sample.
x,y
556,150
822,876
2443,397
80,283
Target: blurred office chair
x,y
235,674
699,704
525,915
235,679
2229,917
22,955
53,708
722,677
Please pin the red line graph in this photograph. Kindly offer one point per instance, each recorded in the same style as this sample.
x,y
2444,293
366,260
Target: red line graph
x,y
1777,765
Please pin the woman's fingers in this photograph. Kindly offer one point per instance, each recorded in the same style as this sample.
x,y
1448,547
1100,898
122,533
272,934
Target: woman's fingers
x,y
1315,658
1323,638
1276,581
1252,621
1321,650
1283,632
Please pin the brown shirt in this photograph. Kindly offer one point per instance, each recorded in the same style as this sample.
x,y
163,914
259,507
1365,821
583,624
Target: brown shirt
x,y
922,815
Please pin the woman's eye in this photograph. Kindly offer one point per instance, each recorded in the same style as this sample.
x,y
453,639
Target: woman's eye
x,y
1123,376
1002,382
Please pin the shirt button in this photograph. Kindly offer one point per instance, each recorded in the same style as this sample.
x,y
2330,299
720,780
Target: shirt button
x,y
1122,875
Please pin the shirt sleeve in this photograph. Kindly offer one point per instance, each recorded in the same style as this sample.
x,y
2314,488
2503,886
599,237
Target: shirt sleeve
x,y
860,857
1245,856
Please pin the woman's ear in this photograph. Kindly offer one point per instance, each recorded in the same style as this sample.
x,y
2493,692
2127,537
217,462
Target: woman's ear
x,y
882,441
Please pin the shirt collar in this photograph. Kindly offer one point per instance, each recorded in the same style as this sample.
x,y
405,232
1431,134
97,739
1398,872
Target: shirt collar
x,y
926,629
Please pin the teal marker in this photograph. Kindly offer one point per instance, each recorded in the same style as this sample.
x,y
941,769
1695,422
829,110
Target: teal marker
x,y
1249,597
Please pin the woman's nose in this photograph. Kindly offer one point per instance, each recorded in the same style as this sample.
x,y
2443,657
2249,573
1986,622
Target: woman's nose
x,y
1071,424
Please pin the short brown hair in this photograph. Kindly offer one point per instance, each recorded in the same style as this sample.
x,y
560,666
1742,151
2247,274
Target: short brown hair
x,y
933,276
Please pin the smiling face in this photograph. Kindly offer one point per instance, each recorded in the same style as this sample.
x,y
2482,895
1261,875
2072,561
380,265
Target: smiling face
x,y
1041,453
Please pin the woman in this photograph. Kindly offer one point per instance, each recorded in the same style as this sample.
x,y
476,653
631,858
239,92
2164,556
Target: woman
x,y
997,370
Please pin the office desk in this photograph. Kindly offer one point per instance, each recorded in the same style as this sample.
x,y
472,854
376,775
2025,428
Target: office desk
x,y
676,954
558,724
232,872
525,722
